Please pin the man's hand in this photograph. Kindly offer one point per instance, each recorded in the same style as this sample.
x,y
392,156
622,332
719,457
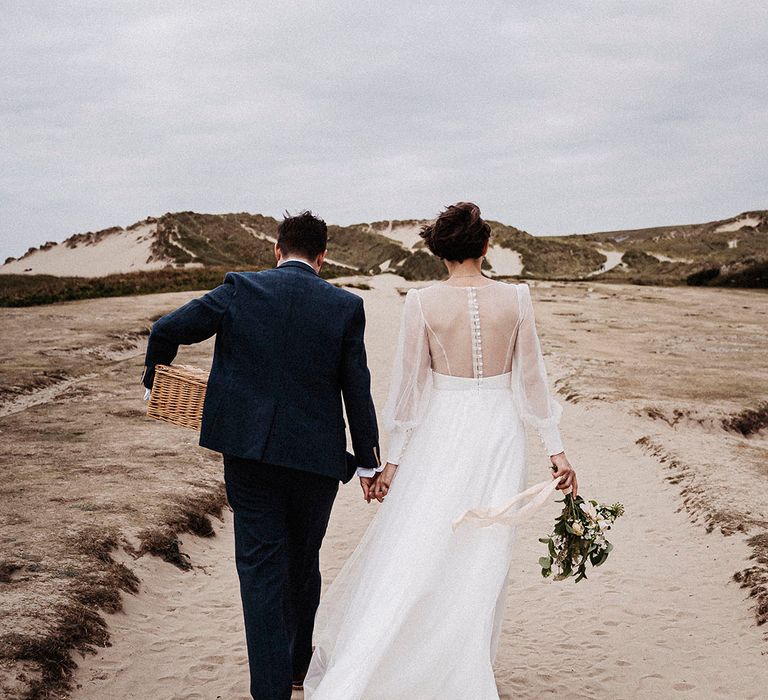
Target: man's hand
x,y
380,487
563,470
366,483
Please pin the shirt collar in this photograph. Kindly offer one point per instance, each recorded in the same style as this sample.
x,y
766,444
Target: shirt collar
x,y
299,263
297,260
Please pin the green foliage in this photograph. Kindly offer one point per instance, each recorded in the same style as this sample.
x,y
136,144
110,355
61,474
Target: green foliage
x,y
701,255
548,257
31,290
216,240
751,273
703,277
362,247
578,538
421,265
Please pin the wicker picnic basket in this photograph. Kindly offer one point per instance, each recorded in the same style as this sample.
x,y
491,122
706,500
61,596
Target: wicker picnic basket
x,y
177,396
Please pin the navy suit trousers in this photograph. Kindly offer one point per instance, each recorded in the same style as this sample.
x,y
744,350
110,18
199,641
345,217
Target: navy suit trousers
x,y
281,516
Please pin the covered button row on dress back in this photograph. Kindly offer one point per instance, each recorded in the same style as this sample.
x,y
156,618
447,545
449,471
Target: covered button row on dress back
x,y
477,340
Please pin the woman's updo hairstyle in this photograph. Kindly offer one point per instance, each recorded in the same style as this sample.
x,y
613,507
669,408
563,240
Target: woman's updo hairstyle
x,y
458,234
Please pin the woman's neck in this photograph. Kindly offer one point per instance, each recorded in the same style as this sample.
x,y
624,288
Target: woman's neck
x,y
467,268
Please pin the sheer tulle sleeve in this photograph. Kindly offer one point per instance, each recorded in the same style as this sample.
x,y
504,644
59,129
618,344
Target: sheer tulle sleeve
x,y
411,378
535,402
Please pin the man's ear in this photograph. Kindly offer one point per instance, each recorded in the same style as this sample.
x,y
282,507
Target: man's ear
x,y
320,259
278,254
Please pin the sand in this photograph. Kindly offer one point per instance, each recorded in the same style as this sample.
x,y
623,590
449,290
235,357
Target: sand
x,y
119,252
750,221
645,374
613,259
661,619
504,261
666,258
405,234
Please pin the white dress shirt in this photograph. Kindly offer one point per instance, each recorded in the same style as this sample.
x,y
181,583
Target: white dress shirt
x,y
306,262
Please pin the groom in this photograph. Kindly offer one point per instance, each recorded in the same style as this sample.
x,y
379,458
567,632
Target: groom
x,y
289,347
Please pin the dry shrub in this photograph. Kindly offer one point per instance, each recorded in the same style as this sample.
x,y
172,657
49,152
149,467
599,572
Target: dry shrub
x,y
190,514
749,421
7,570
755,578
164,544
79,626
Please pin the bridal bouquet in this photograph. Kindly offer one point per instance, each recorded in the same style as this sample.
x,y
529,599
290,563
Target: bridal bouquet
x,y
578,538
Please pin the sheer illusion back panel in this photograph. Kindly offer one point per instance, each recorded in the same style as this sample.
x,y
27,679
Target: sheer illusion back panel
x,y
462,319
471,332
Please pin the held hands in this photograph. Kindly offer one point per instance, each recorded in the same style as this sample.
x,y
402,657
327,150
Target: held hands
x,y
366,483
378,486
562,469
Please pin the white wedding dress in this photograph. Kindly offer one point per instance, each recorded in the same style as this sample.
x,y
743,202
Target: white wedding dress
x,y
415,613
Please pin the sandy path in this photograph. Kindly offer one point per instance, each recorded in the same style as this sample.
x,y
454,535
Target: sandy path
x,y
662,619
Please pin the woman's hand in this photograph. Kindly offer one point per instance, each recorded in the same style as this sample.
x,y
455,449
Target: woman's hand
x,y
366,483
565,472
383,481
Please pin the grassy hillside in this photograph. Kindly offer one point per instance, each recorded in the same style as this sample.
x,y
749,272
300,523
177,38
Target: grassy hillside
x,y
715,253
199,248
31,290
363,249
216,240
548,258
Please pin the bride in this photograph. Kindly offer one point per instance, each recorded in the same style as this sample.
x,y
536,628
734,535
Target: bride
x,y
415,613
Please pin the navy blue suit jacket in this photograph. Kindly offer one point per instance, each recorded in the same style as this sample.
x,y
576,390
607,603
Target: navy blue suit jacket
x,y
289,346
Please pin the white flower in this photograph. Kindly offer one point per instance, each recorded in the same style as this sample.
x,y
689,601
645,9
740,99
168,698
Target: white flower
x,y
578,528
589,509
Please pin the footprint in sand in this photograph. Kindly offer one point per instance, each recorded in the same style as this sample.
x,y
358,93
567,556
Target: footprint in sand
x,y
683,686
204,672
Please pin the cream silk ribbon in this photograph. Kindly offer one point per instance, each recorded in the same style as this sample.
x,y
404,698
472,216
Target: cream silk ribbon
x,y
505,515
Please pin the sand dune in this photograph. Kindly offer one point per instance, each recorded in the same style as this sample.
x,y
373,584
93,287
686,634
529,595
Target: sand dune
x,y
405,234
505,262
613,258
709,254
740,223
117,252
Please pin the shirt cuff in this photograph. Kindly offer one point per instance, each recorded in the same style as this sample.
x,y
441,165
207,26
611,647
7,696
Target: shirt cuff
x,y
368,473
550,436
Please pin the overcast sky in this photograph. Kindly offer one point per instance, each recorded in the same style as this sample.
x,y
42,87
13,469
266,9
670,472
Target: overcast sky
x,y
556,117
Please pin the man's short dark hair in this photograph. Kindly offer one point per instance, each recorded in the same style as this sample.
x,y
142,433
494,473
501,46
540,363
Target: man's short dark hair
x,y
304,234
